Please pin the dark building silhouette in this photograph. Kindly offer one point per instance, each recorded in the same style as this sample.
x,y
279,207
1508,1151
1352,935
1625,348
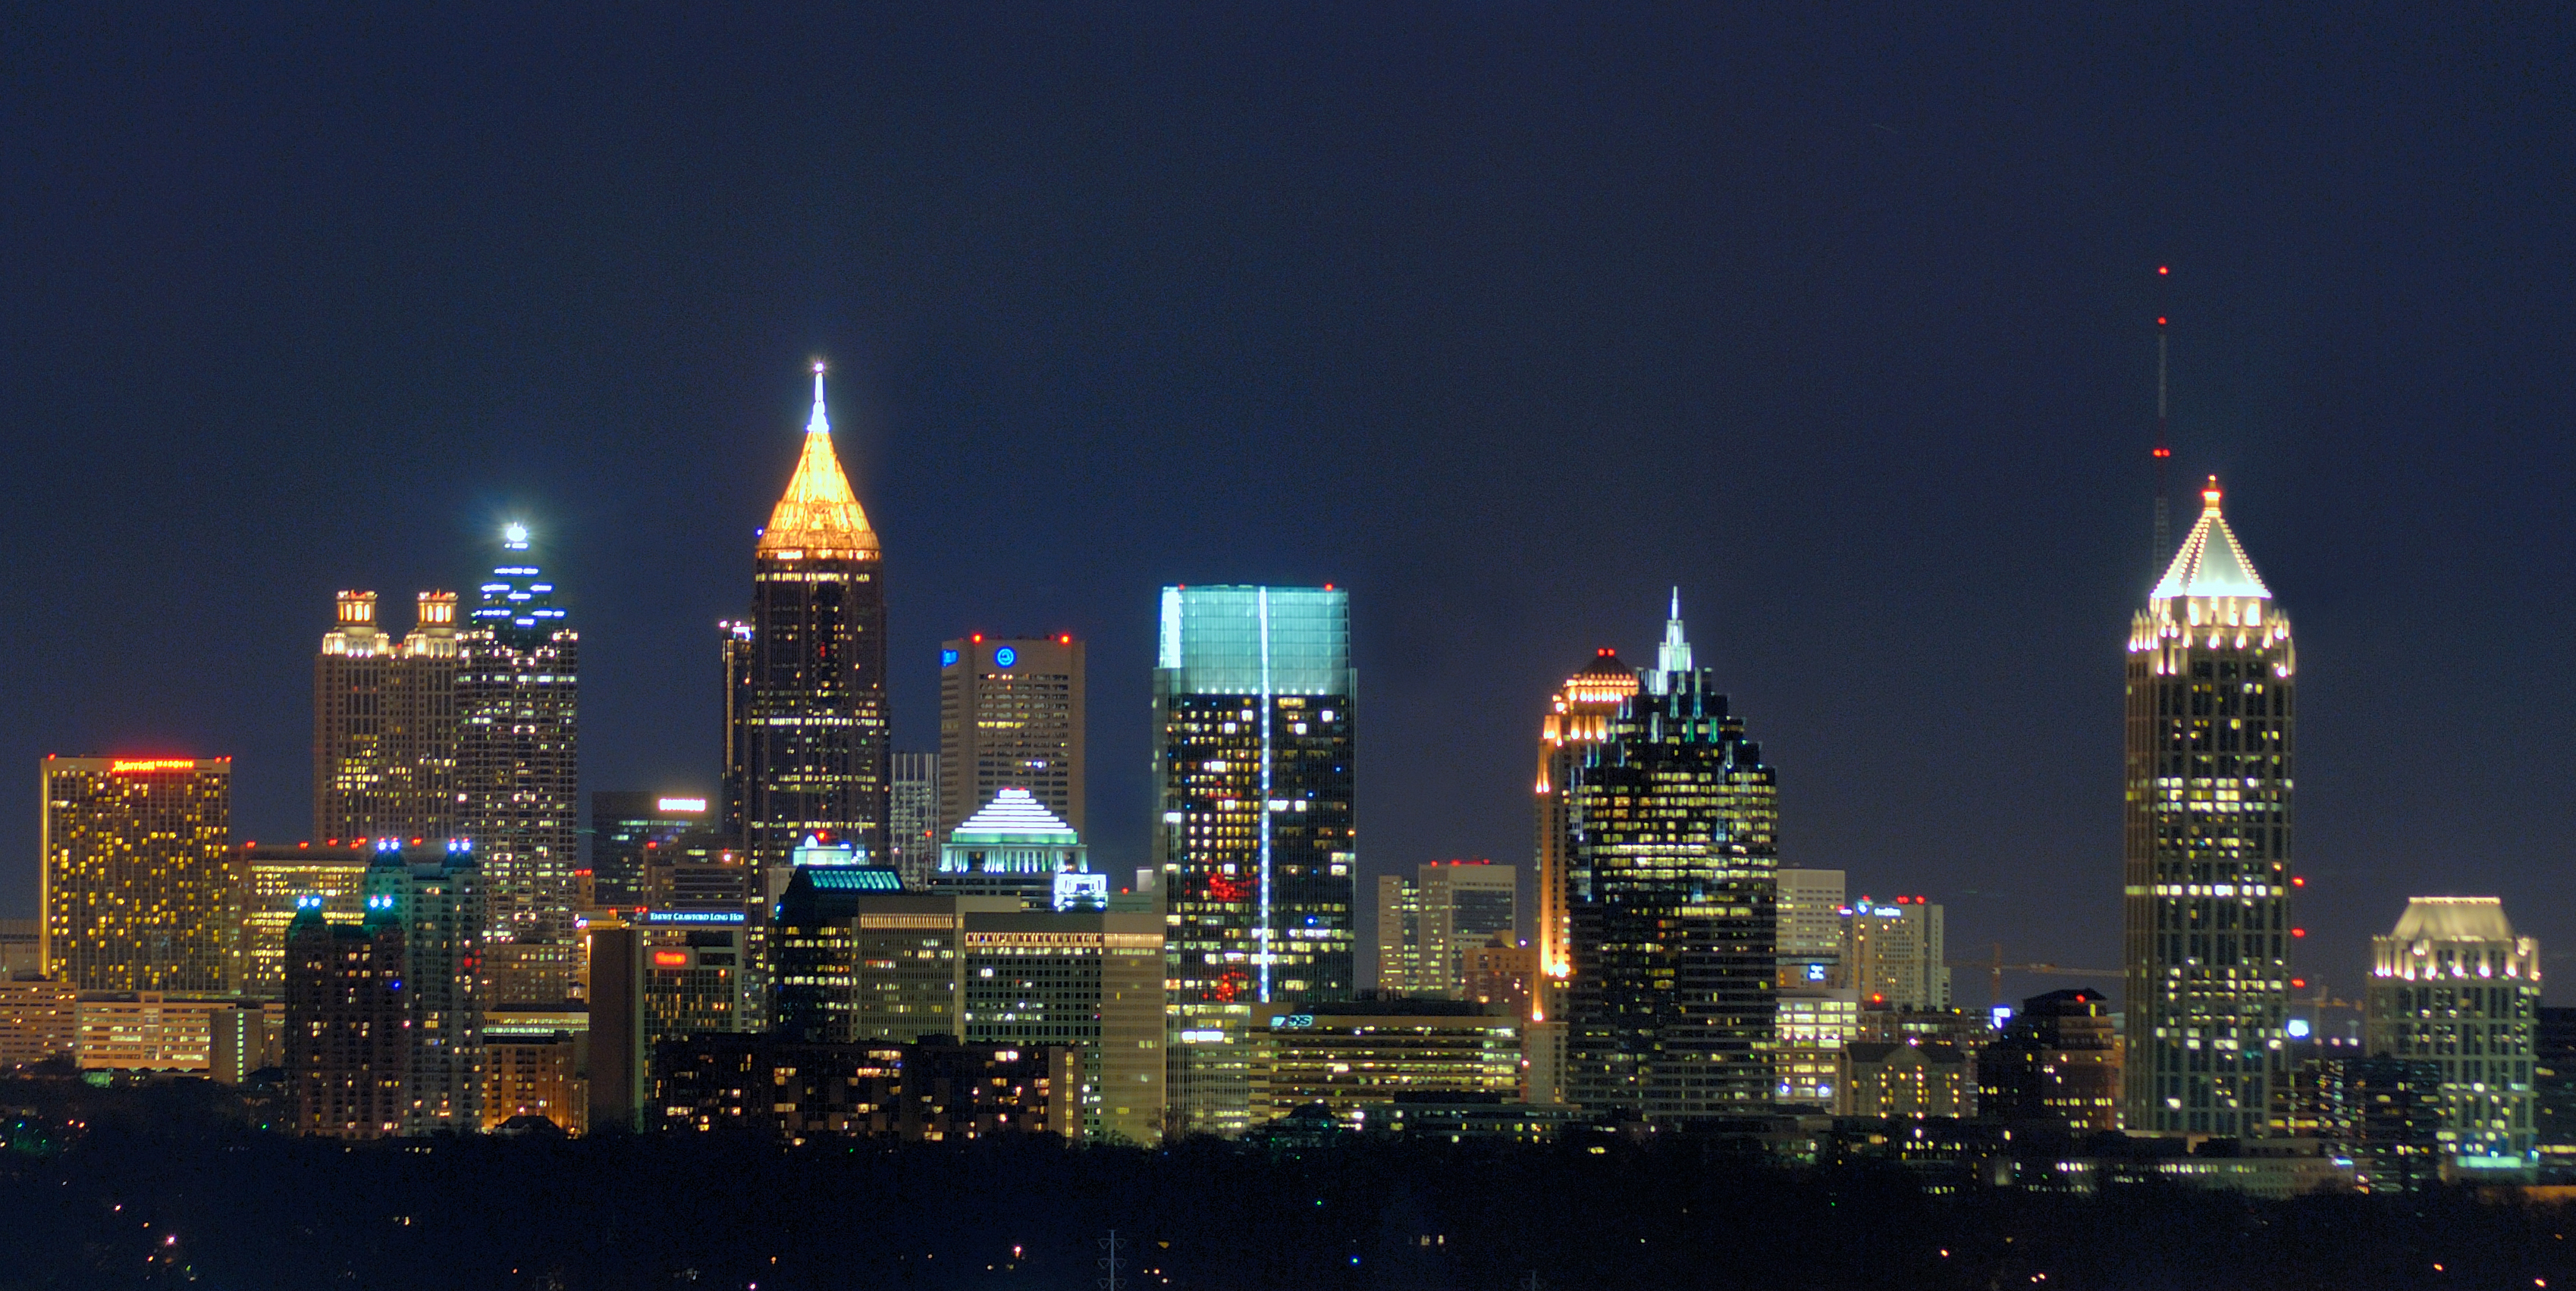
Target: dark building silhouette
x,y
934,1091
2057,1061
347,1056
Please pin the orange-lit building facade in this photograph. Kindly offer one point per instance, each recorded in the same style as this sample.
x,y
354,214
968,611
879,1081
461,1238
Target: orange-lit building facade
x,y
135,875
806,749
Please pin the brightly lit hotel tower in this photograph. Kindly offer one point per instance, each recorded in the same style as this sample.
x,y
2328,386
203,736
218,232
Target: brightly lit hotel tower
x,y
1252,762
2206,907
805,708
1668,869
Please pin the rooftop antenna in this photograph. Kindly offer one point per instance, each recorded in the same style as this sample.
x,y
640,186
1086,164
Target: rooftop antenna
x,y
2164,446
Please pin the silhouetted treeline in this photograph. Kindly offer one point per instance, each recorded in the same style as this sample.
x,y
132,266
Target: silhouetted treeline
x,y
184,1197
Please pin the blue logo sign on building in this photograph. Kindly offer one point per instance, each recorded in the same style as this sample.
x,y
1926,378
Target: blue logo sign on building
x,y
1004,657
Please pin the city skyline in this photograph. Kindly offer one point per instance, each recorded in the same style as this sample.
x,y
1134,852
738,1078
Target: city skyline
x,y
1468,372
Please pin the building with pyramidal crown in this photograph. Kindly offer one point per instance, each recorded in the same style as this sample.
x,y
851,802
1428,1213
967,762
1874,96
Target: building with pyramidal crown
x,y
806,750
2206,906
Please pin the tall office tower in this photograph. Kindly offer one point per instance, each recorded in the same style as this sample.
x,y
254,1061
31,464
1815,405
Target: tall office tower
x,y
1399,937
346,1039
1010,716
2453,985
1811,927
1428,924
805,710
1253,689
2553,1093
135,878
2207,907
436,897
384,724
1894,951
1673,852
518,776
271,887
1577,720
912,818
626,829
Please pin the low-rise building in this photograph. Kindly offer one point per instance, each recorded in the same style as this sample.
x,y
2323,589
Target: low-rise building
x,y
213,1036
1884,1079
934,1091
1349,1055
39,1019
533,1076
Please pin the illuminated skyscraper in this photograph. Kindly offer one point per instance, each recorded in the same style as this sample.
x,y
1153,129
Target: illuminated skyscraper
x,y
1577,719
436,896
518,775
2207,906
384,724
345,1043
2452,985
1010,716
805,740
1672,855
1252,761
135,875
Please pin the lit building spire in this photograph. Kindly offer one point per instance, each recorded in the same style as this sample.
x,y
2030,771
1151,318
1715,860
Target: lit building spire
x,y
1674,654
819,516
2210,563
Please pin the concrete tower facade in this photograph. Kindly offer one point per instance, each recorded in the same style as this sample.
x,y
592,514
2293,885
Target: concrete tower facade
x,y
384,723
2206,905
2452,985
1011,715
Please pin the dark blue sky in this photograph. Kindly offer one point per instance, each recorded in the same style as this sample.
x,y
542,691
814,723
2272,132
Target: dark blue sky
x,y
1506,316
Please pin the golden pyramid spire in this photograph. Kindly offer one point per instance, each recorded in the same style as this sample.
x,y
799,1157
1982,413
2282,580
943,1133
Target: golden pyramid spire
x,y
819,516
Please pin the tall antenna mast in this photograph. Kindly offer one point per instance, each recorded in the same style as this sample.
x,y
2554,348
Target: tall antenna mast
x,y
2164,447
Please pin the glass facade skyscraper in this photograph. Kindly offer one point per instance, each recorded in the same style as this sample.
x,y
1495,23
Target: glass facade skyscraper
x,y
518,776
1253,691
1672,892
2206,906
805,713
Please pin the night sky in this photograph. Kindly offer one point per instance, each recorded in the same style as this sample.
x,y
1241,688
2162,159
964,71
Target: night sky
x,y
1505,316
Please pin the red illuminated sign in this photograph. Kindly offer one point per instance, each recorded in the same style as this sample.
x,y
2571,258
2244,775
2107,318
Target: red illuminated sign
x,y
670,959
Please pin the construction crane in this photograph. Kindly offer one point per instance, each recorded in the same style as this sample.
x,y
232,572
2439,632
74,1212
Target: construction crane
x,y
1995,968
